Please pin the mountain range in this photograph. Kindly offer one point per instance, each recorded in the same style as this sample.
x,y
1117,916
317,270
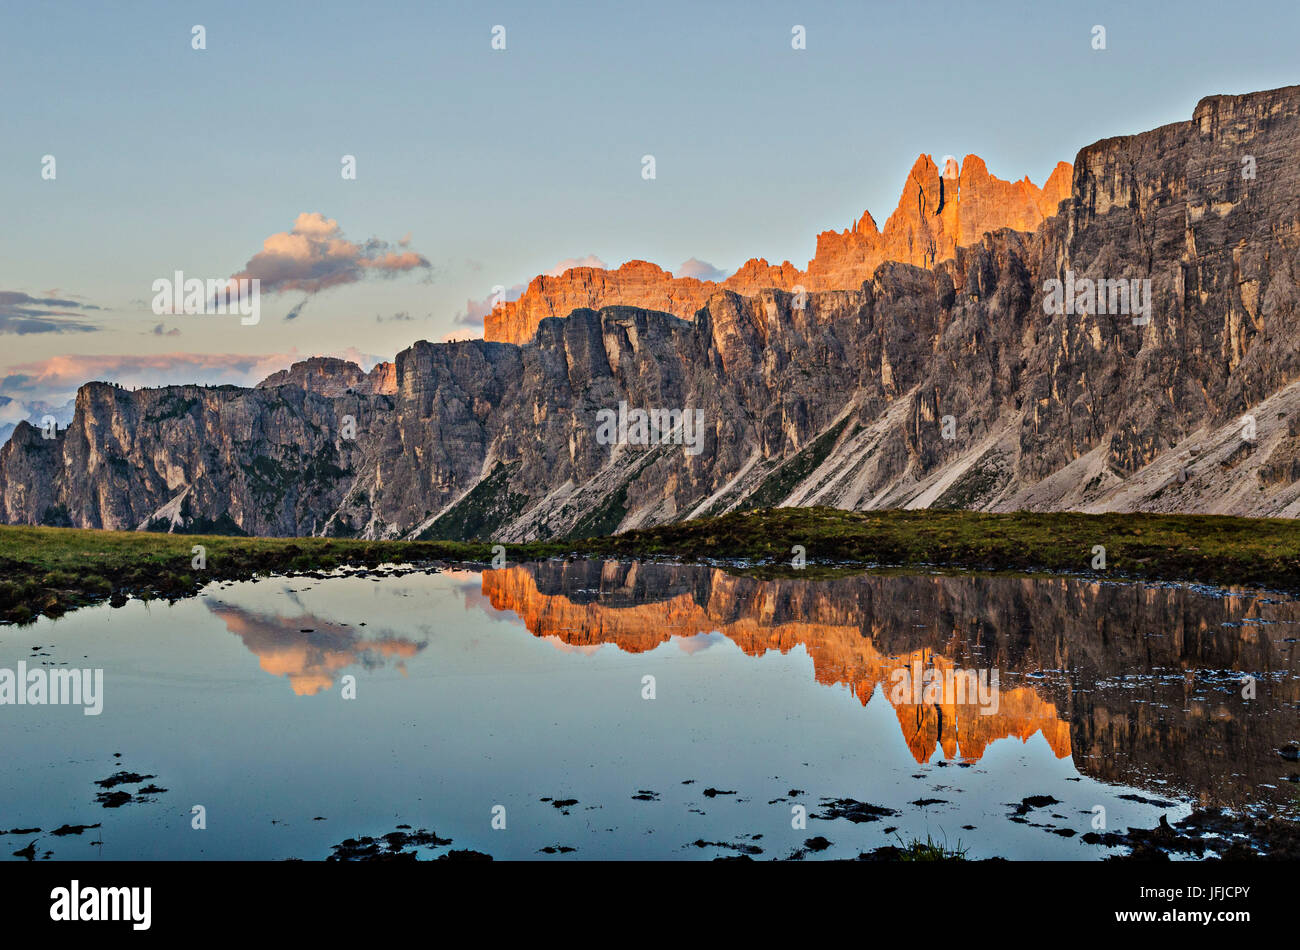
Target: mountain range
x,y
919,365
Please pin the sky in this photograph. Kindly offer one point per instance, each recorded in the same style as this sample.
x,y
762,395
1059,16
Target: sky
x,y
477,167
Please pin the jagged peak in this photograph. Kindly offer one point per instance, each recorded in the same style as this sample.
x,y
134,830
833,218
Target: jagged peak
x,y
972,164
924,228
924,165
866,225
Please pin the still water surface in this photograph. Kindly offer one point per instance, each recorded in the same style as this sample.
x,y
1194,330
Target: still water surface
x,y
528,686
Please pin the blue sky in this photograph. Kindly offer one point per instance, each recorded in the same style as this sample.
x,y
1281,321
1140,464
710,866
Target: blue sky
x,y
496,165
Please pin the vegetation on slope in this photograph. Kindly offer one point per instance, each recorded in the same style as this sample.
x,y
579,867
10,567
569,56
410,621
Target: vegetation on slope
x,y
51,570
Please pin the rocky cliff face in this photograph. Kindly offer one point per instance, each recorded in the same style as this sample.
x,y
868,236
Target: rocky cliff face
x,y
330,376
260,461
935,216
949,385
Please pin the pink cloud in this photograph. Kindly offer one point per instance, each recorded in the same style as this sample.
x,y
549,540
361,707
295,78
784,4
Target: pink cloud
x,y
314,256
700,270
475,310
591,260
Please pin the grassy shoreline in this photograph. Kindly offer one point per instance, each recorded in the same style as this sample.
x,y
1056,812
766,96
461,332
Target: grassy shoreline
x,y
48,571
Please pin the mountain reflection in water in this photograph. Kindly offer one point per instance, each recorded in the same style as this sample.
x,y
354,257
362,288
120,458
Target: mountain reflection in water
x,y
1141,683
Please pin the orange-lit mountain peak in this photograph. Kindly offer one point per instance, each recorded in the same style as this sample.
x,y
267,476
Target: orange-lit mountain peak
x,y
938,211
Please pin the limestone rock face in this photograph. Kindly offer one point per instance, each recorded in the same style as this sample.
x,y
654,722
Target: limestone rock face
x,y
329,376
935,216
956,384
268,461
381,380
636,283
320,374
